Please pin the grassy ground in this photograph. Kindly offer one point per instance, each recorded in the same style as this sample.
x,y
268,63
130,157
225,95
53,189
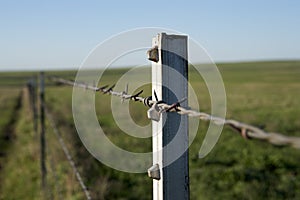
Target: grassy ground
x,y
18,172
9,106
264,94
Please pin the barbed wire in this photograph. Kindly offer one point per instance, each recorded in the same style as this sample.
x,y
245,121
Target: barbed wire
x,y
68,155
245,130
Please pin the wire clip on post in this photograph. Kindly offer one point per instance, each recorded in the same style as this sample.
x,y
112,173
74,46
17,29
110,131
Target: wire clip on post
x,y
155,111
153,54
153,172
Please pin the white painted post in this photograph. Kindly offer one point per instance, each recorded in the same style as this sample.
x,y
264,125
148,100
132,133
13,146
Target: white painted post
x,y
169,80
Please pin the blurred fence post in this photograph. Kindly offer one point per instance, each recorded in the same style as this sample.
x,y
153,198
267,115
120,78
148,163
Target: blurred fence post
x,y
42,136
170,82
32,89
29,87
34,96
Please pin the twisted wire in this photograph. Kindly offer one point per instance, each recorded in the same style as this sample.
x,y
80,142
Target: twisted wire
x,y
247,131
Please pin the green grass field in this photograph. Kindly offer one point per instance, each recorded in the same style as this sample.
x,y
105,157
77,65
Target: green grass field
x,y
265,94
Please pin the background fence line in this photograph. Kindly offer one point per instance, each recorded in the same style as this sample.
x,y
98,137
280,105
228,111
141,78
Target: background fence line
x,y
45,115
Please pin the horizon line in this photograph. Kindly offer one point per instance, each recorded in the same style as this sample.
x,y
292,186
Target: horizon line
x,y
130,65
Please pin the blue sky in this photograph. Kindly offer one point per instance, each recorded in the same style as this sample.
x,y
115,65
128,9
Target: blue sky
x,y
58,34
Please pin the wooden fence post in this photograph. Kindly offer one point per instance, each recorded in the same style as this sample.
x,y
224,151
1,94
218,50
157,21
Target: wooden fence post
x,y
170,81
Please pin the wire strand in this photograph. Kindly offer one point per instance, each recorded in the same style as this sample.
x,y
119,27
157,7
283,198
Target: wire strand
x,y
245,130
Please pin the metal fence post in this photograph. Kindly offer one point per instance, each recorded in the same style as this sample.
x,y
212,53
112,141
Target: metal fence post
x,y
42,136
169,80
